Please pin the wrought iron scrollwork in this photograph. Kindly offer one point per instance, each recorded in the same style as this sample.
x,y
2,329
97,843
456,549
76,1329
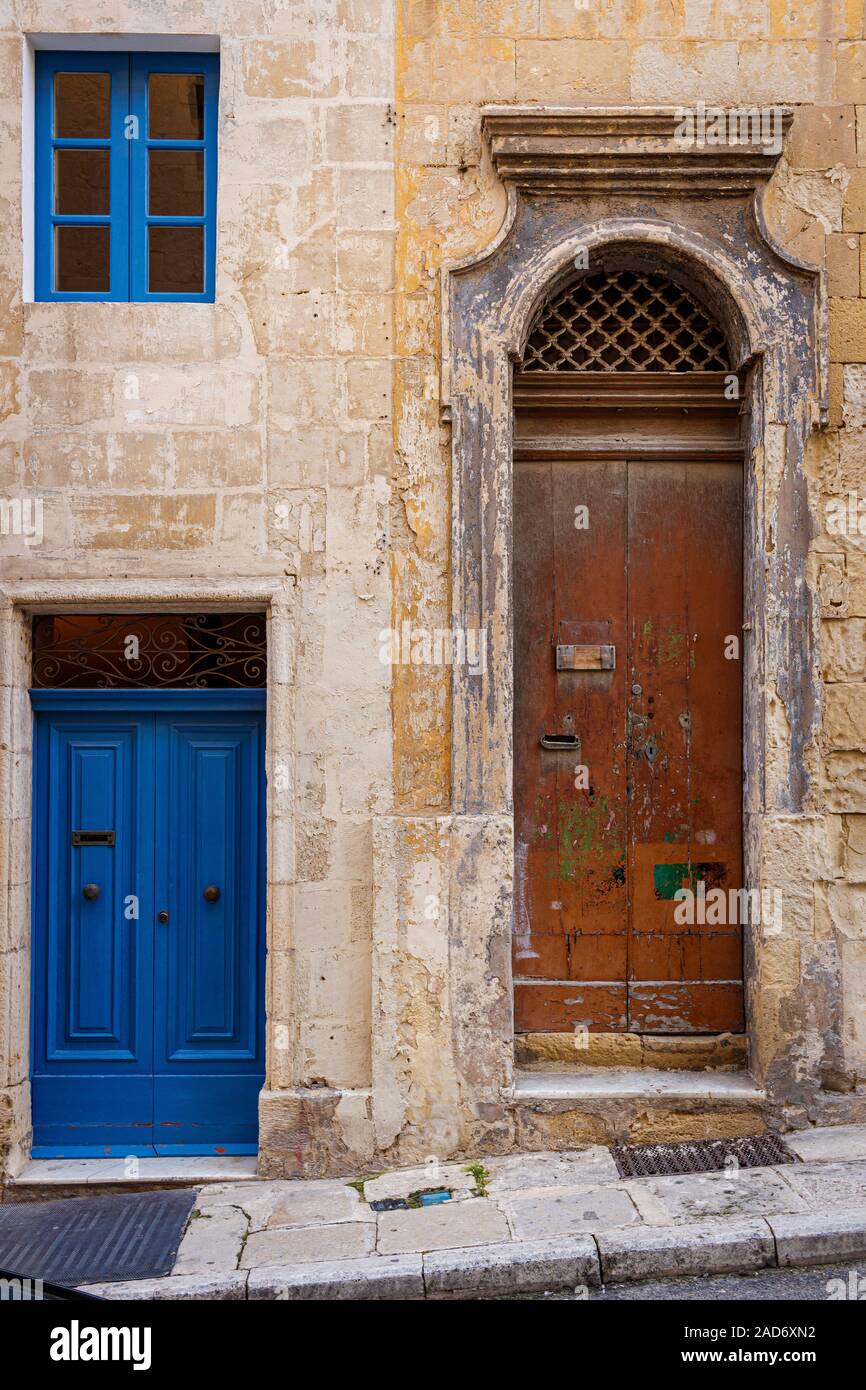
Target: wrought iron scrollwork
x,y
187,651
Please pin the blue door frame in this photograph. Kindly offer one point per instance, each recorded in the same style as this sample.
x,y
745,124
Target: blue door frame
x,y
148,1033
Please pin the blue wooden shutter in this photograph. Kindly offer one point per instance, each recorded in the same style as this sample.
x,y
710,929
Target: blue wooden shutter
x,y
46,143
142,220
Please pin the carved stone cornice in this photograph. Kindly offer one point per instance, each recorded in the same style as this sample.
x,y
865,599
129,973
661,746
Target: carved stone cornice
x,y
637,150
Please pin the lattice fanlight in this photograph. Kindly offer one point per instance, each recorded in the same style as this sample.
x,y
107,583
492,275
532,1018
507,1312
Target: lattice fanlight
x,y
625,322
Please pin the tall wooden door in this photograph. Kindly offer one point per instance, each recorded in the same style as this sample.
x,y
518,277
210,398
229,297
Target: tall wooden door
x,y
628,599
148,922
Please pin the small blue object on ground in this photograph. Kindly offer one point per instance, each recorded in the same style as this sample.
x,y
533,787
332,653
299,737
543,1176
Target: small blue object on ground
x,y
432,1199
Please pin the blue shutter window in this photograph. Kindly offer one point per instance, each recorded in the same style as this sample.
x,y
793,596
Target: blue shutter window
x,y
126,176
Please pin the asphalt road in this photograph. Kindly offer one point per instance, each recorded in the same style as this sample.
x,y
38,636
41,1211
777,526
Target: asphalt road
x,y
770,1285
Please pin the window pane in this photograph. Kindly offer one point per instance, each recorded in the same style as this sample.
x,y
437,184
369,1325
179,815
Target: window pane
x,y
176,183
82,105
82,261
82,181
175,105
175,262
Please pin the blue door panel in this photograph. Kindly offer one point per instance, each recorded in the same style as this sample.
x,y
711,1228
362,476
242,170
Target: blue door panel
x,y
148,1036
92,1116
209,1058
99,978
206,1113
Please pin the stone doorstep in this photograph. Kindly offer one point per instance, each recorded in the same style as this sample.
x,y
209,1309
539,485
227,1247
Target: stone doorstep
x,y
617,1256
638,1084
49,1179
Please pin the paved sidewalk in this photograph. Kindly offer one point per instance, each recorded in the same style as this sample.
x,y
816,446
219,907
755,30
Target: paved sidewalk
x,y
544,1221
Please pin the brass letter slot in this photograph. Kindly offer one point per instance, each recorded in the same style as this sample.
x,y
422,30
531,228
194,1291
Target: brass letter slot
x,y
93,837
571,658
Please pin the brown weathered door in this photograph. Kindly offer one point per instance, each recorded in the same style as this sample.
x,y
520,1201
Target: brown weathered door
x,y
641,793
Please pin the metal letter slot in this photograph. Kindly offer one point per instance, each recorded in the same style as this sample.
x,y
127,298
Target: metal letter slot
x,y
93,837
583,658
570,741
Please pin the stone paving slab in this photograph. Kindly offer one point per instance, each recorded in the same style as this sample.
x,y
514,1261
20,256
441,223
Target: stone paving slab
x,y
690,1197
563,1213
828,1184
212,1243
529,1172
300,1244
389,1276
836,1143
302,1208
474,1222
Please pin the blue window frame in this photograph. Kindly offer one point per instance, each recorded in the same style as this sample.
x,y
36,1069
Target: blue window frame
x,y
126,176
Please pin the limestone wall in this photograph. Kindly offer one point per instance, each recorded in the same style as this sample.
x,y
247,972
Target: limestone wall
x,y
293,432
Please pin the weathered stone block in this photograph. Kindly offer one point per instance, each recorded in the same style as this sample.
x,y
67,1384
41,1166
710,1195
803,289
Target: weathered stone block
x,y
848,330
520,1267
144,523
817,1238
843,650
356,133
851,72
855,202
696,71
822,137
379,1276
702,1248
573,70
368,390
64,397
843,264
845,716
302,68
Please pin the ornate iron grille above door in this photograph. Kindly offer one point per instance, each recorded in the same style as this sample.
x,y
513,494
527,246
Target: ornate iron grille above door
x,y
629,321
156,650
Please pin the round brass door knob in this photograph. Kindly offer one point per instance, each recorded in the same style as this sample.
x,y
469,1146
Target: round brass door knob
x,y
211,893
91,891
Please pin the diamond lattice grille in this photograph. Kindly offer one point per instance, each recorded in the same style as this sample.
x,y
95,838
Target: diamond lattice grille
x,y
627,322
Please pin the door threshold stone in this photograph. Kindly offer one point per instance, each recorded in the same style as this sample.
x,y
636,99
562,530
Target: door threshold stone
x,y
42,1178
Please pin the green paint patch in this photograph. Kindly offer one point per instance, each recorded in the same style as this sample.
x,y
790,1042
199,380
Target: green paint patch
x,y
670,647
586,831
668,879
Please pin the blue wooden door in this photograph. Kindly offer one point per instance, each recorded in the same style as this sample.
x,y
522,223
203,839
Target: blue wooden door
x,y
148,1032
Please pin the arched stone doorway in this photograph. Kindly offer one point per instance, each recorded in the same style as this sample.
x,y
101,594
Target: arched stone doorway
x,y
627,581
580,184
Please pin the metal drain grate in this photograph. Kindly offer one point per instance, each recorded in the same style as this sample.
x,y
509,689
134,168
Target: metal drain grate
x,y
93,1240
700,1156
